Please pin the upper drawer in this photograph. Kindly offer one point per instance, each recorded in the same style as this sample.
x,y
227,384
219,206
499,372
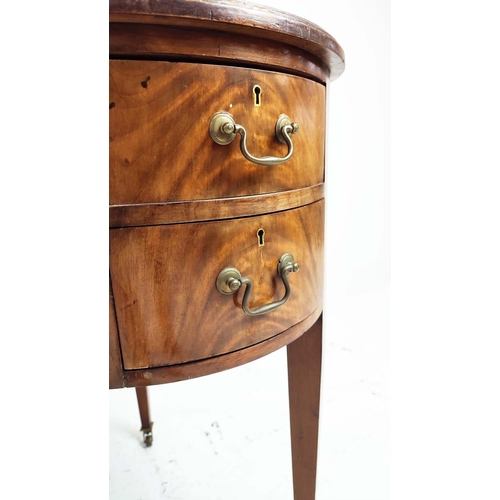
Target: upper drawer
x,y
160,146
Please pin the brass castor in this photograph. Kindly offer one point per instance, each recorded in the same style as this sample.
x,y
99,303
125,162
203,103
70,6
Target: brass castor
x,y
147,433
148,438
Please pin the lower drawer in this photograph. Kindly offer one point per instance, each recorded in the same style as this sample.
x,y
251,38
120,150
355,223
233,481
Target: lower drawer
x,y
168,307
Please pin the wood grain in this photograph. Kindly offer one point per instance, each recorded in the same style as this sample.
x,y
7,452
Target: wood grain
x,y
206,210
115,358
238,19
168,308
160,147
176,373
163,43
304,380
143,403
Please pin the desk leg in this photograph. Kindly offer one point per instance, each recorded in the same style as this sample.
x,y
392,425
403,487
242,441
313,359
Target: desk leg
x,y
147,425
304,379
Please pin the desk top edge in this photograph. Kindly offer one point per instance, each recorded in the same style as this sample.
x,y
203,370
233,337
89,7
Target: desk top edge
x,y
238,18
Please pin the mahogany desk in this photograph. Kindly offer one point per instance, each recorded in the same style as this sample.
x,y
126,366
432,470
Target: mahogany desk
x,y
217,161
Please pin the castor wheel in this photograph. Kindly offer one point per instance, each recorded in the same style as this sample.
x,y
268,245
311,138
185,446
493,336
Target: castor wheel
x,y
148,438
147,433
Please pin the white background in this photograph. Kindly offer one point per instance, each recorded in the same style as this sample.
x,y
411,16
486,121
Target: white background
x,y
445,272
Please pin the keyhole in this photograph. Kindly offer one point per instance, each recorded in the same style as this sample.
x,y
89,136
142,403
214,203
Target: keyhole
x,y
260,237
257,92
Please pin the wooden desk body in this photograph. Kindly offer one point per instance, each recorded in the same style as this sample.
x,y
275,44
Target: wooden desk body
x,y
217,158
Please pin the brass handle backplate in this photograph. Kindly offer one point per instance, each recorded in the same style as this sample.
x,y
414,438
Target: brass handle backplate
x,y
230,281
223,130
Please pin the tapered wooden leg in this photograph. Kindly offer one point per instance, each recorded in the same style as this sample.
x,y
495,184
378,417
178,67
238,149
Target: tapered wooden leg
x,y
304,379
147,425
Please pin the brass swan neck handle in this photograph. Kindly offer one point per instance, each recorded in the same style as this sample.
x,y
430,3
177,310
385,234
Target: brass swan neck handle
x,y
223,130
230,281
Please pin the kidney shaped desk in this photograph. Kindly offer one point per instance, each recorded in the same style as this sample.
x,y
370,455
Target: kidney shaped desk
x,y
217,167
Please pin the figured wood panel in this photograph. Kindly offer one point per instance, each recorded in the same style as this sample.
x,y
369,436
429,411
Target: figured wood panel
x,y
160,146
176,373
168,308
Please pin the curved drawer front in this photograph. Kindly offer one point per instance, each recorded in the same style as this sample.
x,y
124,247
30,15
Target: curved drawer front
x,y
160,146
168,307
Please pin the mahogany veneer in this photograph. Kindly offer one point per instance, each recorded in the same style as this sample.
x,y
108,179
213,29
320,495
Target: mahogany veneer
x,y
159,116
183,208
